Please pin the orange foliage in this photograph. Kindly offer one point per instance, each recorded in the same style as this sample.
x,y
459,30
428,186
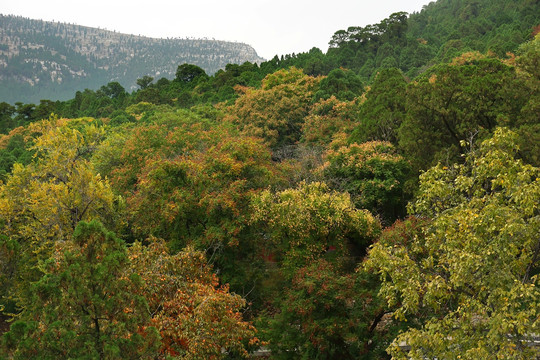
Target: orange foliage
x,y
195,316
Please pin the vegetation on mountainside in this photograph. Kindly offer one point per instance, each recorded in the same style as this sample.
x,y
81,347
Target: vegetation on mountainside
x,y
315,213
51,60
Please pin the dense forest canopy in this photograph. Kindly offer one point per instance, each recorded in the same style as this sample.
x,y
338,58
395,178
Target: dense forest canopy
x,y
381,200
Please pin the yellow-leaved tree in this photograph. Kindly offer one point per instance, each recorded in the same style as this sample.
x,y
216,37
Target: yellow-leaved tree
x,y
472,271
41,203
276,111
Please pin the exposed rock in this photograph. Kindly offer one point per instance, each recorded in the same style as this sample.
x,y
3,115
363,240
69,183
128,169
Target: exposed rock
x,y
40,58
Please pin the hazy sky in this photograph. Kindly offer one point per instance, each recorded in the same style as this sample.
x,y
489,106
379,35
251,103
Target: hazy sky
x,y
274,27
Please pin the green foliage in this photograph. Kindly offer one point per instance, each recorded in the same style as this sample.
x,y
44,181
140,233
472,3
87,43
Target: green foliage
x,y
317,316
455,102
383,111
145,81
6,120
83,306
529,125
343,84
495,25
15,151
474,267
372,173
188,73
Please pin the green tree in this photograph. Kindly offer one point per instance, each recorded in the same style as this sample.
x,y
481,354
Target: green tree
x,y
373,173
84,307
16,151
473,270
383,111
324,314
454,102
188,73
114,90
6,117
341,83
145,81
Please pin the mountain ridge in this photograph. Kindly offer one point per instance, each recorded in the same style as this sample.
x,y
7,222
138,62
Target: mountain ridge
x,y
42,59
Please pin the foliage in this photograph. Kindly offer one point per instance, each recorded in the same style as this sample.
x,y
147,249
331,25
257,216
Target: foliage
x,y
196,318
326,119
259,172
187,73
301,225
201,198
383,111
316,318
529,128
194,188
15,151
83,306
343,84
455,102
372,173
165,132
41,203
474,267
145,81
276,111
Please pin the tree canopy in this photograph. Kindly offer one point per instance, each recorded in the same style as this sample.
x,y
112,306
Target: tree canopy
x,y
378,200
473,270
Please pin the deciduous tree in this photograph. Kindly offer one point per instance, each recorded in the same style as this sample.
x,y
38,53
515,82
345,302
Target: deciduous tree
x,y
195,316
276,111
41,203
373,173
302,224
475,266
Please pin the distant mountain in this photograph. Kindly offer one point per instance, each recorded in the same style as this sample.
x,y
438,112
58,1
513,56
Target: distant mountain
x,y
50,60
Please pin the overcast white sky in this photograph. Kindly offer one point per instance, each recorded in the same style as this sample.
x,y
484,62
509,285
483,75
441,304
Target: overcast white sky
x,y
272,27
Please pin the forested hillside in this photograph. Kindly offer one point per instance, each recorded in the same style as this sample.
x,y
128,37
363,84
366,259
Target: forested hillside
x,y
327,210
51,60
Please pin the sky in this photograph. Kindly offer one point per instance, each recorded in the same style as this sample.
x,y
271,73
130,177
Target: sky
x,y
272,27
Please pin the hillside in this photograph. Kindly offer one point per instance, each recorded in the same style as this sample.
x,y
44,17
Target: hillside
x,y
379,201
49,60
414,42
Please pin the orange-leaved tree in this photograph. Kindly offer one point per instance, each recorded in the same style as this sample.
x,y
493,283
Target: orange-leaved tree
x,y
195,316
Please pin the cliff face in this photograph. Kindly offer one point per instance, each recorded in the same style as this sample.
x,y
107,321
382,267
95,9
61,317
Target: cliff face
x,y
49,60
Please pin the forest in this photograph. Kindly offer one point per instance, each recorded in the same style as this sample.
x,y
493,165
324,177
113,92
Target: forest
x,y
339,205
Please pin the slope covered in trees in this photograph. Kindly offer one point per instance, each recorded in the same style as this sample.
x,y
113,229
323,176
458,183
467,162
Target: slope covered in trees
x,y
315,216
50,60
